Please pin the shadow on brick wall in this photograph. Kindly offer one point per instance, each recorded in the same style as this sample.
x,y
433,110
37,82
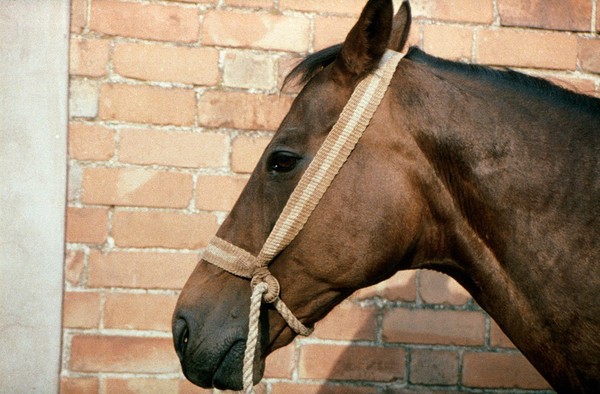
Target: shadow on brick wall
x,y
418,331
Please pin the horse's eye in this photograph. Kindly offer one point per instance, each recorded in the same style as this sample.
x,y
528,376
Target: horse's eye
x,y
282,162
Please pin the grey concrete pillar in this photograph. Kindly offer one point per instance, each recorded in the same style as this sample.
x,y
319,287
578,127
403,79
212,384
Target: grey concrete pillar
x,y
33,139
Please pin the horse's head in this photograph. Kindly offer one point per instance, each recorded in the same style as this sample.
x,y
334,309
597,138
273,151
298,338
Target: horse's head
x,y
340,248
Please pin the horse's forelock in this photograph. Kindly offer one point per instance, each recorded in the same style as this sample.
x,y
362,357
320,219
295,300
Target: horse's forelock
x,y
312,64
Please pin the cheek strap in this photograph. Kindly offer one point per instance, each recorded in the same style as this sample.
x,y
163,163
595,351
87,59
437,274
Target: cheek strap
x,y
334,152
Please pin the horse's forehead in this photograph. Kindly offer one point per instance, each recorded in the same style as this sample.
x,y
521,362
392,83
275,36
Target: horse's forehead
x,y
317,104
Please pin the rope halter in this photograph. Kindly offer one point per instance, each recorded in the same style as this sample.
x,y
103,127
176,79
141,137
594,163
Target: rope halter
x,y
334,152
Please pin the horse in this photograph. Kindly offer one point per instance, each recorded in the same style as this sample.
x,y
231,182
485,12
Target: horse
x,y
489,176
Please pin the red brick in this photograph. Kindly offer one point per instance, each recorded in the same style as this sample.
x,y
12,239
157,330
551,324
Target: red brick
x,y
88,57
81,310
353,7
246,151
248,70
140,269
400,287
136,187
448,42
348,321
578,85
139,311
163,229
305,388
433,326
218,193
83,98
333,362
150,21
74,265
155,62
285,65
417,390
433,367
331,30
280,363
90,142
527,49
250,3
173,148
147,104
87,225
74,175
187,387
474,11
572,15
140,385
95,353
79,385
242,110
213,2
498,338
78,15
414,37
254,30
588,53
505,370
437,288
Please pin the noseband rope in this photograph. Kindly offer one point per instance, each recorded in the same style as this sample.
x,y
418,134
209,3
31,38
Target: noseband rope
x,y
334,152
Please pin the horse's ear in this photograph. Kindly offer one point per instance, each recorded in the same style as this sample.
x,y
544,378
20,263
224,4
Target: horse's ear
x,y
400,27
367,41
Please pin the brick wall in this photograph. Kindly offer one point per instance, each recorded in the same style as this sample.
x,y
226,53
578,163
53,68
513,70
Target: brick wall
x,y
171,105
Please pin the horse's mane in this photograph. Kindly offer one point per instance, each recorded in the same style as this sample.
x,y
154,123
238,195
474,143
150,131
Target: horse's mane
x,y
315,62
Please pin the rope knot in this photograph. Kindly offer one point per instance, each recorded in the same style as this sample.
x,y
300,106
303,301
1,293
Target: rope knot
x,y
263,275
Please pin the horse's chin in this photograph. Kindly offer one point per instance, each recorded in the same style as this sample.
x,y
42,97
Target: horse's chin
x,y
228,374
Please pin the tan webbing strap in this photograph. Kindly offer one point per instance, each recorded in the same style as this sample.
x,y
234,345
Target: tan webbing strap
x,y
230,258
334,152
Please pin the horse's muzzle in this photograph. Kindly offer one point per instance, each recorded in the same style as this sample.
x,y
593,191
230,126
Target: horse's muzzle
x,y
214,361
181,337
198,373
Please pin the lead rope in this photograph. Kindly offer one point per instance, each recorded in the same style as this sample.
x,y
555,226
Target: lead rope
x,y
258,293
334,152
248,368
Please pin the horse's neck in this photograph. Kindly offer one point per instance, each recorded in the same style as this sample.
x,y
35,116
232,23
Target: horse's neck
x,y
523,239
524,175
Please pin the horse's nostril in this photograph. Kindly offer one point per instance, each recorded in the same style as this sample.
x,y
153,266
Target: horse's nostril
x,y
181,336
